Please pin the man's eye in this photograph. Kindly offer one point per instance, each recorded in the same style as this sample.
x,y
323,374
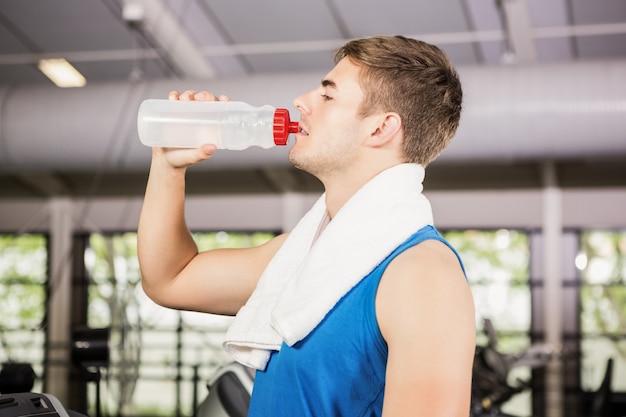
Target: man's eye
x,y
326,98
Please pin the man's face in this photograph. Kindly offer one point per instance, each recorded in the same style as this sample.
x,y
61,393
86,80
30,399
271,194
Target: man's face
x,y
331,129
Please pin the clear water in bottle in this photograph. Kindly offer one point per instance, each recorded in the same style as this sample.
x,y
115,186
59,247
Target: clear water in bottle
x,y
190,124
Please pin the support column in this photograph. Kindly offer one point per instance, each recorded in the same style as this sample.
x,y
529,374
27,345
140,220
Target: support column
x,y
57,364
515,16
553,286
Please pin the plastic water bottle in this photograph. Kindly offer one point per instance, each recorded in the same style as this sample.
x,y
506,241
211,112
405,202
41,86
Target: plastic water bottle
x,y
227,124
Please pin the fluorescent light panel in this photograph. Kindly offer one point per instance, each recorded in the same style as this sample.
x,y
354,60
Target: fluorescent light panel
x,y
61,72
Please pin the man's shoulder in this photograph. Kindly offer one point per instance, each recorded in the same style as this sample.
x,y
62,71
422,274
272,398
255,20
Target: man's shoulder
x,y
429,269
430,255
423,286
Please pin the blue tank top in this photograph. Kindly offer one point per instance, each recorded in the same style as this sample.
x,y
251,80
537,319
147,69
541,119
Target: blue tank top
x,y
339,368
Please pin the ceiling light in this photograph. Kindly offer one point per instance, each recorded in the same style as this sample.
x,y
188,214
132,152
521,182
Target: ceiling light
x,y
61,72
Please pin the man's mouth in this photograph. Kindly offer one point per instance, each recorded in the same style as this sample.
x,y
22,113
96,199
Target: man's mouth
x,y
303,132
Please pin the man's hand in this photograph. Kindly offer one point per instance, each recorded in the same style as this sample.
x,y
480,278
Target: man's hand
x,y
182,157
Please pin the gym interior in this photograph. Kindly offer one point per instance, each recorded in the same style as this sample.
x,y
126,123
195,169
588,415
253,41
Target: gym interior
x,y
532,192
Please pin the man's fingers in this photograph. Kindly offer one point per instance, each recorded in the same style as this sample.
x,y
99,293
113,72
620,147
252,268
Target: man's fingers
x,y
192,95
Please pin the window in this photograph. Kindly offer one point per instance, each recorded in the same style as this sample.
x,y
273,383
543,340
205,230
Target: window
x,y
602,265
23,277
160,357
497,264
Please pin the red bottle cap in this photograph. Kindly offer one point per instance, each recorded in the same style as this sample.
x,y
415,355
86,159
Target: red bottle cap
x,y
283,126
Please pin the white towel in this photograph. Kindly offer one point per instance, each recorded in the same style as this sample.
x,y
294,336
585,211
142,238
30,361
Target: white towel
x,y
308,276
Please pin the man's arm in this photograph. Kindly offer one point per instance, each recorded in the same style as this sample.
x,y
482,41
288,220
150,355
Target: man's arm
x,y
173,273
426,314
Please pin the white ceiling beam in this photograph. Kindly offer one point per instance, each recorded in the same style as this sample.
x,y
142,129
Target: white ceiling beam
x,y
519,31
312,46
154,18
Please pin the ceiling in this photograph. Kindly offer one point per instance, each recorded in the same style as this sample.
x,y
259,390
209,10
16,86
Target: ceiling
x,y
142,40
118,40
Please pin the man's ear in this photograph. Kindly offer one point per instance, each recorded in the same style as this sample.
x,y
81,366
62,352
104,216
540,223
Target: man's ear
x,y
388,127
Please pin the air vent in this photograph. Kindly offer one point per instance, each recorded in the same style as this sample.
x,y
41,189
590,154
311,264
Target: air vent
x,y
38,403
7,402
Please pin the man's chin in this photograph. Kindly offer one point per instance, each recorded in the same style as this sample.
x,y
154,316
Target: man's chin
x,y
297,161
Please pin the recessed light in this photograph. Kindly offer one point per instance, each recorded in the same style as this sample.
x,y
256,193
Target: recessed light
x,y
61,72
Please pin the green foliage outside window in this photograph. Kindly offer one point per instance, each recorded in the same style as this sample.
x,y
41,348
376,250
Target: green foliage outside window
x,y
497,265
602,265
23,276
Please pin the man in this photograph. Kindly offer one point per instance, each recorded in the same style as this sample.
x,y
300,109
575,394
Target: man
x,y
363,309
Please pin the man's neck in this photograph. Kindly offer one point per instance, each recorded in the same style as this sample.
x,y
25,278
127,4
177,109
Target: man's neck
x,y
341,189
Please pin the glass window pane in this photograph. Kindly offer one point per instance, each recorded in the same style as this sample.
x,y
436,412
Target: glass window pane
x,y
497,264
23,258
499,256
596,351
23,277
603,257
507,307
603,310
602,265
